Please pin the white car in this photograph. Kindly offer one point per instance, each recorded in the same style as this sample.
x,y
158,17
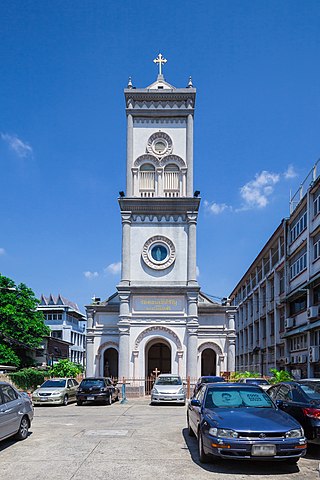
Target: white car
x,y
261,382
169,388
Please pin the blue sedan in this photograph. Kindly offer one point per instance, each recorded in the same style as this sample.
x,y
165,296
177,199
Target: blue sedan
x,y
240,422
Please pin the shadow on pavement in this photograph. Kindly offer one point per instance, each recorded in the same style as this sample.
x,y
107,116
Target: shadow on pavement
x,y
9,442
237,467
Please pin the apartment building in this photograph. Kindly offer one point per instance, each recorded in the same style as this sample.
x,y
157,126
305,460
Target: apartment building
x,y
278,298
66,323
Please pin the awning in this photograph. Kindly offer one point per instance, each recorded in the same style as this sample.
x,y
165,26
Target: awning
x,y
303,328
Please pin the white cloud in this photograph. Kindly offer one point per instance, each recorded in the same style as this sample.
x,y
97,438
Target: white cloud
x,y
255,193
2,251
290,173
197,271
216,208
20,148
113,268
90,275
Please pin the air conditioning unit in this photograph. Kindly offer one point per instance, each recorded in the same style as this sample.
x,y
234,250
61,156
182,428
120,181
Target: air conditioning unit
x,y
289,322
287,360
313,312
313,354
302,359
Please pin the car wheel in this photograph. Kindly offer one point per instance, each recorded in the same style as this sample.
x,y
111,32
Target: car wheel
x,y
203,457
23,429
109,400
190,431
65,400
79,403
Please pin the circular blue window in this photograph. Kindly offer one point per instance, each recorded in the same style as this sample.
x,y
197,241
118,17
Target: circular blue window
x,y
159,253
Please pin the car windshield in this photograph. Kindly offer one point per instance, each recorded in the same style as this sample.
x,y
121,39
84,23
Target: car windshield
x,y
237,397
54,383
257,381
210,379
168,381
311,389
92,382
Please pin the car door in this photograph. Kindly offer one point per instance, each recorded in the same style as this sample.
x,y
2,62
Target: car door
x,y
195,412
69,386
9,410
75,387
110,388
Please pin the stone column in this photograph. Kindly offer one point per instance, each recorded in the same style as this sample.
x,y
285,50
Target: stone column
x,y
125,266
159,184
124,335
90,356
180,365
192,352
184,182
190,155
124,351
231,354
231,340
129,192
135,364
192,254
135,185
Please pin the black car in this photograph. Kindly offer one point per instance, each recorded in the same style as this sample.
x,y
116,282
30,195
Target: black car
x,y
240,422
97,389
301,399
206,379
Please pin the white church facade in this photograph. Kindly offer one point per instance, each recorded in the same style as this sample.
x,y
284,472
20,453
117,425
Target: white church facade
x,y
158,319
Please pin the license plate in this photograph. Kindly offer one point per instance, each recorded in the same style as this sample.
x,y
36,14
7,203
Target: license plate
x,y
263,450
43,399
90,398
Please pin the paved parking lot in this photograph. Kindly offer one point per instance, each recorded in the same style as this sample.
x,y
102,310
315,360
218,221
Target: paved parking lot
x,y
131,441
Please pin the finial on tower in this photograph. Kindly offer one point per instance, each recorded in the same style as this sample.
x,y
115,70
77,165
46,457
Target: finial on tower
x,y
160,60
129,83
190,84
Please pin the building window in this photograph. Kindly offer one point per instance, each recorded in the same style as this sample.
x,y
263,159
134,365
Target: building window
x,y
298,265
147,180
263,292
56,334
171,180
316,203
316,247
281,282
298,305
316,294
59,316
281,320
298,227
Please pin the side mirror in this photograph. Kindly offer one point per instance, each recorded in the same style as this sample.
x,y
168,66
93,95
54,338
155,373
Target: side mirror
x,y
38,386
279,403
184,383
195,402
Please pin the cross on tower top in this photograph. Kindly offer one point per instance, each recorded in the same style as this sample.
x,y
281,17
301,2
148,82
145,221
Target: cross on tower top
x,y
160,60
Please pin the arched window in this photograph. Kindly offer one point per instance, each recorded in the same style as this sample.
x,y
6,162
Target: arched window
x,y
171,180
147,180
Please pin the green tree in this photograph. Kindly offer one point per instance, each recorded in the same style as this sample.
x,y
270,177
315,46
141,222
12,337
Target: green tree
x,y
22,327
65,368
280,376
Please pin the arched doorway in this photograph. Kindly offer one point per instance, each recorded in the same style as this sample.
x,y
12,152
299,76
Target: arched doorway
x,y
110,363
158,358
208,362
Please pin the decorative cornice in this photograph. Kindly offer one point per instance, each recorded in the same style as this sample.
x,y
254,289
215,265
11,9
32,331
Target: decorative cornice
x,y
212,346
159,329
172,206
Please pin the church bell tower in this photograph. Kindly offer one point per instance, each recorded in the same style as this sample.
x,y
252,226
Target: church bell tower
x,y
158,287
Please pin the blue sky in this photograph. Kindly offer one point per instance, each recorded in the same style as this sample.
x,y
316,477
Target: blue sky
x,y
64,65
